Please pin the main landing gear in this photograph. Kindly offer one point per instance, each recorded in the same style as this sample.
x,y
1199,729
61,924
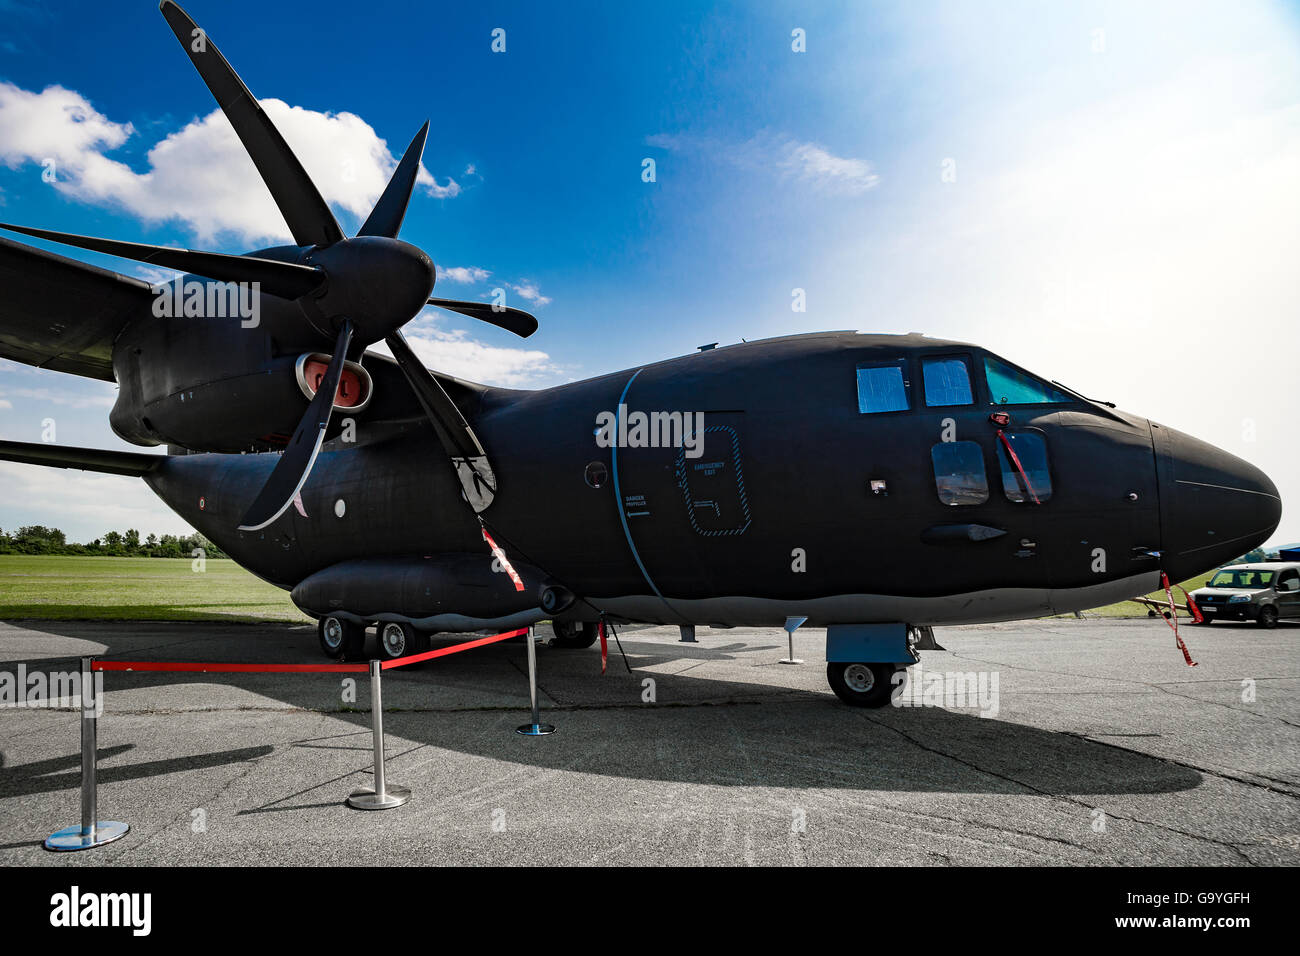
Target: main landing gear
x,y
574,634
342,639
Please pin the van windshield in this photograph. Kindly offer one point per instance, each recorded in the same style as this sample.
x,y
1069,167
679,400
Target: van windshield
x,y
1247,580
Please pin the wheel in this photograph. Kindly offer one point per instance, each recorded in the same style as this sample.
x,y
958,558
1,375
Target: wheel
x,y
1267,616
399,639
340,638
861,685
574,634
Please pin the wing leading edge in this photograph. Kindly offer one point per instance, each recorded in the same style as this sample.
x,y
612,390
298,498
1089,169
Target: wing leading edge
x,y
62,314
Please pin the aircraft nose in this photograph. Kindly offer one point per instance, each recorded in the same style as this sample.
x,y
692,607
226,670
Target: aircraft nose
x,y
1214,506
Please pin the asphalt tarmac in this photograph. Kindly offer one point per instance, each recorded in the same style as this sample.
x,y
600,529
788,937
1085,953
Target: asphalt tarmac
x,y
1100,747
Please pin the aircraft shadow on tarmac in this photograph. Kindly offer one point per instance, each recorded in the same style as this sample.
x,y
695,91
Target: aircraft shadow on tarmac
x,y
720,733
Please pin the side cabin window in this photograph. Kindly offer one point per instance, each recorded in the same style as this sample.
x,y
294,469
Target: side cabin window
x,y
959,476
1010,386
1023,461
947,381
883,387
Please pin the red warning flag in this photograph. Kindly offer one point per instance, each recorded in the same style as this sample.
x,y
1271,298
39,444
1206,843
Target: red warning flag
x,y
505,562
604,646
1172,619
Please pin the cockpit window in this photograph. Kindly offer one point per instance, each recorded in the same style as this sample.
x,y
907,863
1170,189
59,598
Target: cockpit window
x,y
1023,458
1010,386
947,381
959,473
883,387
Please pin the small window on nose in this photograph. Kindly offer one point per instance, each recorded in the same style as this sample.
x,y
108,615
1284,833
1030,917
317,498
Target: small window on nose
x,y
959,475
1025,476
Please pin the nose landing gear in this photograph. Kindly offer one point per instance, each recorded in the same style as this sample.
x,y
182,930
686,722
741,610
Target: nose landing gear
x,y
862,685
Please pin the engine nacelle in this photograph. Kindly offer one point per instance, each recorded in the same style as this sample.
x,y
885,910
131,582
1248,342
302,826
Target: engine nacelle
x,y
212,385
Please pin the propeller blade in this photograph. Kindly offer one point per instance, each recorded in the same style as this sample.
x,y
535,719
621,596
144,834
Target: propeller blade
x,y
285,279
291,471
386,218
512,320
470,462
308,216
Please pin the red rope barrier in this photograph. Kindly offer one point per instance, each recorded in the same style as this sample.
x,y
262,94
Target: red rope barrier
x,y
202,668
454,649
229,668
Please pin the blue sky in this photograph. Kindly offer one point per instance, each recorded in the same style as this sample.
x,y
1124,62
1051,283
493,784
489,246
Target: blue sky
x,y
1125,188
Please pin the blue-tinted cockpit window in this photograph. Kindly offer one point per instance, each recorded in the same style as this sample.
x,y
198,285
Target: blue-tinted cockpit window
x,y
882,387
1010,386
947,381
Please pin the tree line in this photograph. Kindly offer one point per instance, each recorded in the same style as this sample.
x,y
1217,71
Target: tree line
x,y
38,539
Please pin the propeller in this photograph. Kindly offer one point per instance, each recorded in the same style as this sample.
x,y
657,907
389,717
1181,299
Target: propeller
x,y
291,471
285,279
354,291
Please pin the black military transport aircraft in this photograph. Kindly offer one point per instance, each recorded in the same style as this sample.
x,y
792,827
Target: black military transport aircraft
x,y
864,483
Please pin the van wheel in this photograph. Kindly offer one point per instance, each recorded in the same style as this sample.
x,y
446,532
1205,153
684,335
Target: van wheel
x,y
341,639
574,634
1267,616
861,685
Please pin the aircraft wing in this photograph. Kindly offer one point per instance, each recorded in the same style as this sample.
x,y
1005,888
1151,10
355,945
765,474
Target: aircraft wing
x,y
63,314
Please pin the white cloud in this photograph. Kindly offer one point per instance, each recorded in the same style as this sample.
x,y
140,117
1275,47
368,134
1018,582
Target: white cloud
x,y
59,397
462,274
83,504
453,351
808,163
527,289
5,403
837,174
199,175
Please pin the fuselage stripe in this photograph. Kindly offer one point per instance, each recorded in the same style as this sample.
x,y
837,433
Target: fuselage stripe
x,y
618,501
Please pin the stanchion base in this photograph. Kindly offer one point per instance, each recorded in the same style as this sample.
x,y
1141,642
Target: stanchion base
x,y
535,730
367,799
791,660
74,838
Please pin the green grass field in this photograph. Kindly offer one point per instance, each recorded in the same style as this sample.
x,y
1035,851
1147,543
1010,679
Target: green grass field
x,y
136,589
164,589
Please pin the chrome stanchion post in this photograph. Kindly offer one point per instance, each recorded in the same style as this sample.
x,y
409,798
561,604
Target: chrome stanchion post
x,y
91,832
536,728
382,796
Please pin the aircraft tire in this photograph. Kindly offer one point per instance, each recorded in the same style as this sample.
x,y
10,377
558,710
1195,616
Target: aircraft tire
x,y
574,635
861,685
399,639
341,639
